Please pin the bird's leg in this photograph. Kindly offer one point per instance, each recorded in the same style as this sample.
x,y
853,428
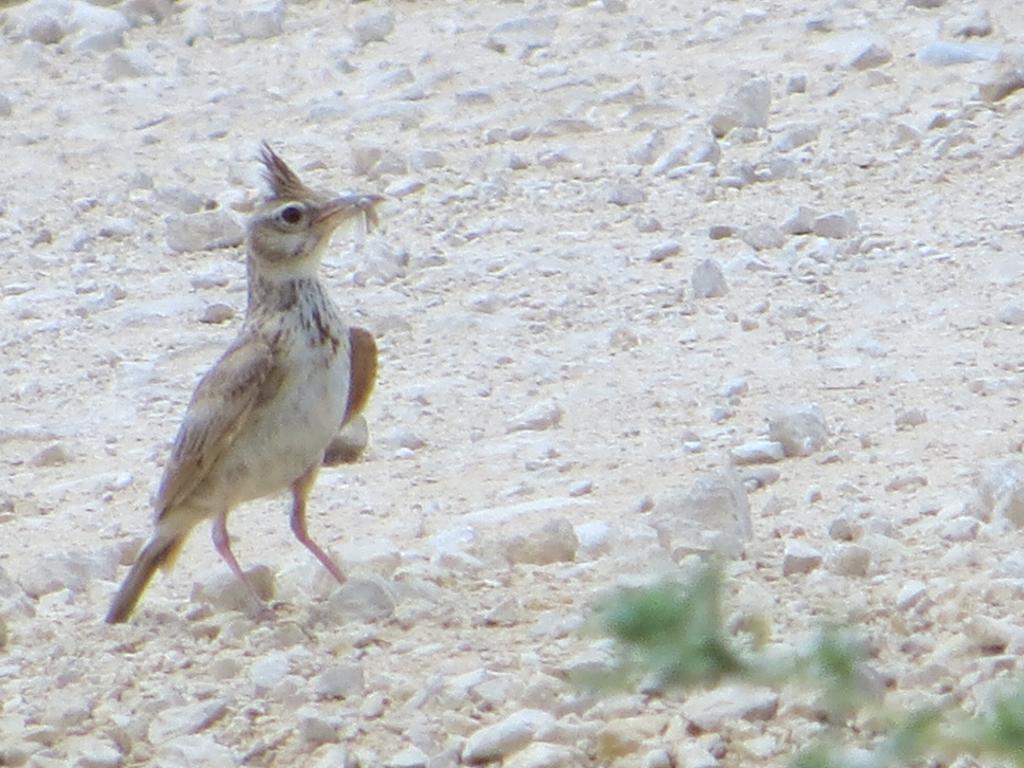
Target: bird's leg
x,y
300,490
222,542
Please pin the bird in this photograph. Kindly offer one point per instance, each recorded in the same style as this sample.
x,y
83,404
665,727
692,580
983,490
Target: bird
x,y
261,419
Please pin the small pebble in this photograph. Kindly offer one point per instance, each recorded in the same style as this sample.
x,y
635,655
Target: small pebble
x,y
203,231
1000,83
500,740
799,558
663,251
623,194
868,54
541,416
217,313
801,429
758,452
851,560
261,21
339,682
763,236
554,542
410,757
912,417
374,26
835,225
52,456
796,84
707,280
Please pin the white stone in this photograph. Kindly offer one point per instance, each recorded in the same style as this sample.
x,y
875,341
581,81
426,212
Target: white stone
x,y
553,542
204,231
45,22
120,65
72,571
693,149
763,236
542,754
269,670
623,193
796,135
381,557
171,722
868,54
543,415
339,681
744,107
362,599
940,53
977,22
659,758
1000,82
961,529
714,514
801,429
1000,492
410,757
94,752
707,280
217,313
500,740
226,592
851,560
594,538
799,557
401,437
729,703
664,250
694,755
758,452
334,756
262,21
373,27
194,752
911,594
316,728
836,225
522,32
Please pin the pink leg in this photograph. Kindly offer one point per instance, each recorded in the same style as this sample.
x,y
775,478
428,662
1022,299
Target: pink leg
x,y
222,543
300,489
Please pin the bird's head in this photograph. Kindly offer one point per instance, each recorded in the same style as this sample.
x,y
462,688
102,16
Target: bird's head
x,y
294,224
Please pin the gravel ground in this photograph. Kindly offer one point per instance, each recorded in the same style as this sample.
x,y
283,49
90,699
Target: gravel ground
x,y
654,280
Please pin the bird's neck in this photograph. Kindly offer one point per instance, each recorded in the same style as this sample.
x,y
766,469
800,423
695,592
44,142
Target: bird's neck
x,y
280,289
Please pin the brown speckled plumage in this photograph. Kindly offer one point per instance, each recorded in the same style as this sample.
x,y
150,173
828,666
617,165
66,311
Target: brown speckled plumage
x,y
261,418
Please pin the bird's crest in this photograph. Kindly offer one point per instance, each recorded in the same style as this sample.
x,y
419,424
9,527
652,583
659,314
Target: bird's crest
x,y
282,179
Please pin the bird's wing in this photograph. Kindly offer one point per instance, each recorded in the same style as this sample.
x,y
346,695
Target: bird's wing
x,y
244,375
363,371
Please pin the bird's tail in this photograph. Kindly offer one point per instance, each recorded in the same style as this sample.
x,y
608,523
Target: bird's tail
x,y
160,551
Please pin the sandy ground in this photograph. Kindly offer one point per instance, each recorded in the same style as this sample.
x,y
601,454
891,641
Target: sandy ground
x,y
535,257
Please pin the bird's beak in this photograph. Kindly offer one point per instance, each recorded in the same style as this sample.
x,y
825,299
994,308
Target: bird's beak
x,y
343,208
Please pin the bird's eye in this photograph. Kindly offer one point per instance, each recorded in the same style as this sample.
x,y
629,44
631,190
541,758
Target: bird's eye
x,y
291,214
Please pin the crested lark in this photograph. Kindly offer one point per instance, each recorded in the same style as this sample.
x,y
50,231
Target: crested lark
x,y
262,417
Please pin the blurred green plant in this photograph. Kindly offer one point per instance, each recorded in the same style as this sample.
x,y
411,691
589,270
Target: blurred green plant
x,y
672,635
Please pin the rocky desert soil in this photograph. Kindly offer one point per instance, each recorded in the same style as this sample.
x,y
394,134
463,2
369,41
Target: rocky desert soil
x,y
655,281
